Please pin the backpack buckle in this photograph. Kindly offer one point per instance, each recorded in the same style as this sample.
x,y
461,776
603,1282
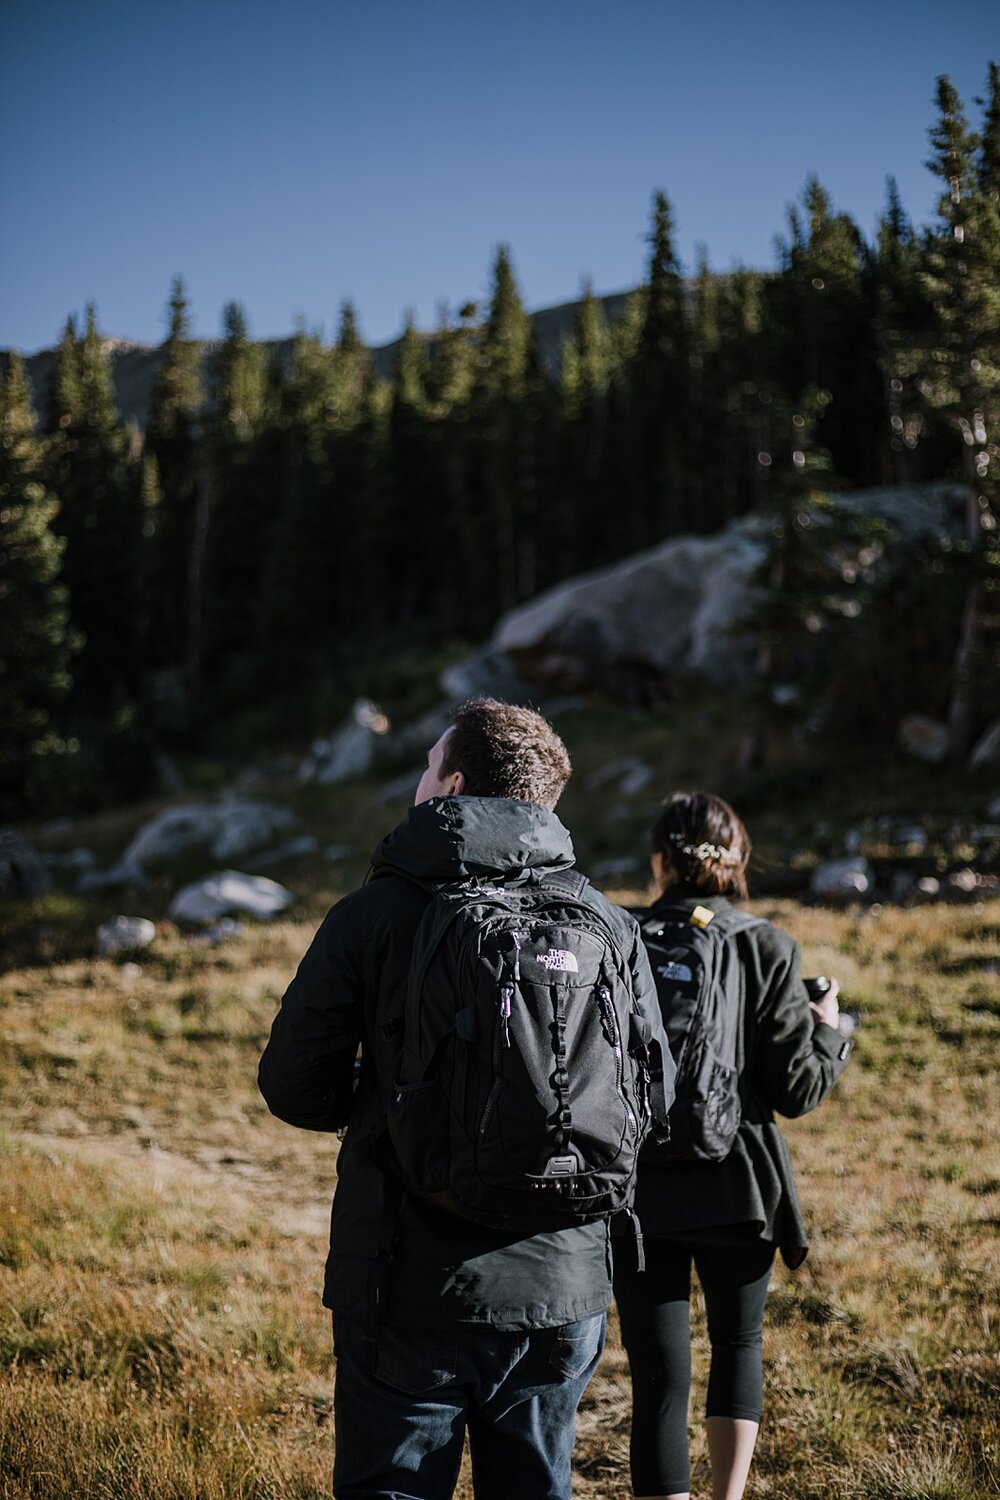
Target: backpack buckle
x,y
560,1166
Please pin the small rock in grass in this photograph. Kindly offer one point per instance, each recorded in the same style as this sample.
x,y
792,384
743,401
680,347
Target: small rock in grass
x,y
203,902
124,935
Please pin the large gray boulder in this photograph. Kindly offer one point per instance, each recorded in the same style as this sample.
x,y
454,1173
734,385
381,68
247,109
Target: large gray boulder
x,y
676,610
669,611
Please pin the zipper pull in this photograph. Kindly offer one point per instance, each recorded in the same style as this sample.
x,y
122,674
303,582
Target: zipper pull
x,y
506,1006
608,1017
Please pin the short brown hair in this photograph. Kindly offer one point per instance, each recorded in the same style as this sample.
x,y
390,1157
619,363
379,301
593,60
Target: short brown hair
x,y
704,841
506,751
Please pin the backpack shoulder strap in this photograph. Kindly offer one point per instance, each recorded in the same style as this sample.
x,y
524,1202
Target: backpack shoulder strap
x,y
734,920
573,882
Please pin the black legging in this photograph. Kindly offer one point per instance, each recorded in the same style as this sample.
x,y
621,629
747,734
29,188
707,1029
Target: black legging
x,y
654,1309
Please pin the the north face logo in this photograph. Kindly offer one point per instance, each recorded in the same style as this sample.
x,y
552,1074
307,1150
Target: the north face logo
x,y
561,959
679,972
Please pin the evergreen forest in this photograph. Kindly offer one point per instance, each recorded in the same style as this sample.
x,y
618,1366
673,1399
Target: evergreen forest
x,y
288,531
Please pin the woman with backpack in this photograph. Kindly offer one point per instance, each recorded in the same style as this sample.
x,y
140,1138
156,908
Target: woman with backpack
x,y
720,1194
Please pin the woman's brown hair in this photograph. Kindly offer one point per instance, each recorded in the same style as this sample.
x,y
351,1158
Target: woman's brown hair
x,y
704,842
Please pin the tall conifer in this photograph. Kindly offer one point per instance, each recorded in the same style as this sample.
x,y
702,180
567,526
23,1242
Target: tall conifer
x,y
580,522
99,521
900,322
663,375
239,507
964,284
37,641
174,440
500,544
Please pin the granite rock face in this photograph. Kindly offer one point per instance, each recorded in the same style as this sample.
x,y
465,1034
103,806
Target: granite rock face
x,y
670,611
675,611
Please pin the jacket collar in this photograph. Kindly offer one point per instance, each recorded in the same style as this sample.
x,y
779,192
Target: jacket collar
x,y
455,838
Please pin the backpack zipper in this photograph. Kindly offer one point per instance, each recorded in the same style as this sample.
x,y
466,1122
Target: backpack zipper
x,y
604,996
504,1009
505,1006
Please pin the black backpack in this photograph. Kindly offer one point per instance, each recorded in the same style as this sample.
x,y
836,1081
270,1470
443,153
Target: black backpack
x,y
699,984
523,1091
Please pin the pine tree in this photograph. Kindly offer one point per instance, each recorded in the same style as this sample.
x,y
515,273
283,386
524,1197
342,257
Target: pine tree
x,y
357,501
586,357
963,281
900,321
238,515
34,616
450,384
405,541
507,341
740,380
99,523
663,371
295,584
626,457
499,542
819,310
64,388
706,402
811,587
173,440
579,523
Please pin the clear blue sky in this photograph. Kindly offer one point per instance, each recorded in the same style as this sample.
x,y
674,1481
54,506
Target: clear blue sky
x,y
291,153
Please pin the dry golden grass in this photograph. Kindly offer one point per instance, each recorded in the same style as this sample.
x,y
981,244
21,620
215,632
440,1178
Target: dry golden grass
x,y
162,1238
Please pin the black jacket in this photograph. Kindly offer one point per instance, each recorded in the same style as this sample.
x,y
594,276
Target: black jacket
x,y
790,1066
441,1268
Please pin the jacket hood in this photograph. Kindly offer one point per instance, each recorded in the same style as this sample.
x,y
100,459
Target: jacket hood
x,y
453,838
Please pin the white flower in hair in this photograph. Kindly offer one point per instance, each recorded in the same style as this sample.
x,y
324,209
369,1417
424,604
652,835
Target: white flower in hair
x,y
705,851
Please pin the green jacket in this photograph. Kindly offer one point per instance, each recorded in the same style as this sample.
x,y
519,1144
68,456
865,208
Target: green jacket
x,y
790,1066
438,1268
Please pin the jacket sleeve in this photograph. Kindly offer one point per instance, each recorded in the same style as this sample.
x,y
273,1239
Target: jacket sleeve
x,y
306,1073
795,1062
644,989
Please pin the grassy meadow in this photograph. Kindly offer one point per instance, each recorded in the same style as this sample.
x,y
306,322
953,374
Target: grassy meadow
x,y
162,1237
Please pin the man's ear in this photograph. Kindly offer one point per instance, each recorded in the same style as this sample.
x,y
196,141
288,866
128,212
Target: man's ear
x,y
458,784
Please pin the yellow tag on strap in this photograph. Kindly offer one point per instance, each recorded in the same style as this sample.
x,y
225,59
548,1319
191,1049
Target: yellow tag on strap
x,y
701,916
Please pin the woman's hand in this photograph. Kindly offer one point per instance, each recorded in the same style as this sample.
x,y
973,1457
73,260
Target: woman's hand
x,y
826,1008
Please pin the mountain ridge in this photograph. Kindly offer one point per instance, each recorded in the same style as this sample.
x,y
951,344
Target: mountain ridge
x,y
134,365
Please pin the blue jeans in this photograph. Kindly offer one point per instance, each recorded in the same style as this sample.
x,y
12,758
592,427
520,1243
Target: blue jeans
x,y
400,1432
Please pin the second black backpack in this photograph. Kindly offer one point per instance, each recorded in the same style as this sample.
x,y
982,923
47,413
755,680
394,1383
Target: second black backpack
x,y
699,984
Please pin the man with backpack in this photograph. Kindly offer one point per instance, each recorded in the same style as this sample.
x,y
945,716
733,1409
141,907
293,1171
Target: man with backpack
x,y
511,1063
